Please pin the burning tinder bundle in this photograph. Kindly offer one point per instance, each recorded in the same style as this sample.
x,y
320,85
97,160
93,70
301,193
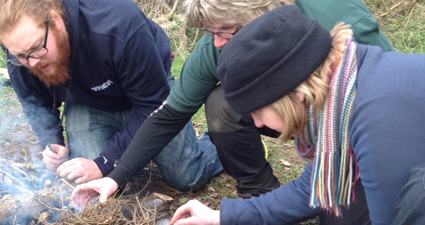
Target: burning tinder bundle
x,y
125,209
34,195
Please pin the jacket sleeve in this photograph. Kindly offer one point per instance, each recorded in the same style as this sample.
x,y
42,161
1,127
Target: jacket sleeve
x,y
142,66
288,204
197,78
38,105
196,81
331,12
155,133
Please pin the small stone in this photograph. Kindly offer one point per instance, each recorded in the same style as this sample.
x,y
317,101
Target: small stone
x,y
47,184
286,163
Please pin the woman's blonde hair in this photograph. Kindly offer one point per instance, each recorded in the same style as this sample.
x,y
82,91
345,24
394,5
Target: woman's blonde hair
x,y
233,13
315,89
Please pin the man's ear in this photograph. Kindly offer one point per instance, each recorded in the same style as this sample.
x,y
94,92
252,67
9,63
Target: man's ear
x,y
57,20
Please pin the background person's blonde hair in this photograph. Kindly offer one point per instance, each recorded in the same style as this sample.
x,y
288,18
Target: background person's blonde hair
x,y
233,13
39,10
315,89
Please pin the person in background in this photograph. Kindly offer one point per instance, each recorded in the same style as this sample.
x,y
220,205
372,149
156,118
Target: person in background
x,y
235,136
354,111
110,66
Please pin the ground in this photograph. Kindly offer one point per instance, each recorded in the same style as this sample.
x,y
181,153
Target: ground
x,y
18,144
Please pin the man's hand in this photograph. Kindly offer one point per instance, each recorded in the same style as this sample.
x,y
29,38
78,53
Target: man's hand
x,y
79,169
83,193
194,212
54,155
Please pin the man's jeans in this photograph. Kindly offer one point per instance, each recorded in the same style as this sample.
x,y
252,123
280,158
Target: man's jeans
x,y
185,163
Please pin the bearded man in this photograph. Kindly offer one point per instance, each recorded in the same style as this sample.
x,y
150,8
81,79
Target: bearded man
x,y
110,67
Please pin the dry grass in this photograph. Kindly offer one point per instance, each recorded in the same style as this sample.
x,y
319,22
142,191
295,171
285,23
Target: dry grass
x,y
168,15
122,210
403,21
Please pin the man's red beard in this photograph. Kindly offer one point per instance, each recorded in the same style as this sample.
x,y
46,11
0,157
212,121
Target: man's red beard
x,y
59,69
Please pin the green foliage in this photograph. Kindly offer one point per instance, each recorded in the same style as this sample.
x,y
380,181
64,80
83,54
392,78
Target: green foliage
x,y
177,65
183,200
2,59
402,21
408,37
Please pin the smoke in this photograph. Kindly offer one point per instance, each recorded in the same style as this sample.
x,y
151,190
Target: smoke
x,y
29,192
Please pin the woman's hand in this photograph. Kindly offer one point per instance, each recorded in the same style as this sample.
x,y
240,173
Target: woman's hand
x,y
193,213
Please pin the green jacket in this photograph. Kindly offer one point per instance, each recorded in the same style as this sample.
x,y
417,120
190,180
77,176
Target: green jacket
x,y
198,76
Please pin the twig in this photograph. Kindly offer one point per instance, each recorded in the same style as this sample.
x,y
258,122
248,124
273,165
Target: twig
x,y
196,37
67,183
20,182
27,175
51,207
61,195
22,189
391,9
8,162
411,8
49,146
173,10
145,211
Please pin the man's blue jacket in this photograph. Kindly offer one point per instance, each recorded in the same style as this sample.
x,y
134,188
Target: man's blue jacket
x,y
119,61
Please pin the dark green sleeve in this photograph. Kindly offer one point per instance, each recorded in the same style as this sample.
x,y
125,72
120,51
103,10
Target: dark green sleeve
x,y
197,78
354,12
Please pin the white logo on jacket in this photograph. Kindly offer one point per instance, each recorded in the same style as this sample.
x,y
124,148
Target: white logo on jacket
x,y
103,86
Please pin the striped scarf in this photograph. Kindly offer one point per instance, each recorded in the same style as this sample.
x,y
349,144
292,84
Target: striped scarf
x,y
335,170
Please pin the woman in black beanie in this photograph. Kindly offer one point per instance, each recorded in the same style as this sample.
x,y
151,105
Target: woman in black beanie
x,y
354,111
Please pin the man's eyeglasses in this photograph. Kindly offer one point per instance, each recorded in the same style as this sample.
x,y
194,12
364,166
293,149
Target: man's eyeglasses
x,y
37,53
224,35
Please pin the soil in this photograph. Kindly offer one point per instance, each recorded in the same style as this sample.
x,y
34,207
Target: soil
x,y
19,147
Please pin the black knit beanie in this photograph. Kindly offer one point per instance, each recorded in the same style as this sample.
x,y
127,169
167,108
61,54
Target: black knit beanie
x,y
270,57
